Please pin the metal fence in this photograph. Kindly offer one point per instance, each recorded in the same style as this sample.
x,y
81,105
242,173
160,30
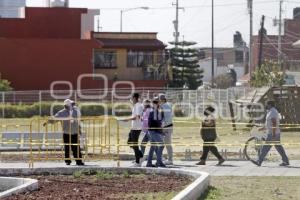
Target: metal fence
x,y
191,101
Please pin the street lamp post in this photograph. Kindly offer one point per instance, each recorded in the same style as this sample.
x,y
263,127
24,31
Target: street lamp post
x,y
212,44
127,10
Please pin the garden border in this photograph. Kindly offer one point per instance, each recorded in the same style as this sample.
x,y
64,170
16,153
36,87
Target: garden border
x,y
191,192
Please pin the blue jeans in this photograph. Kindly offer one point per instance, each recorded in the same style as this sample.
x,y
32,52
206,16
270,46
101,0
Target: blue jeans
x,y
266,148
157,146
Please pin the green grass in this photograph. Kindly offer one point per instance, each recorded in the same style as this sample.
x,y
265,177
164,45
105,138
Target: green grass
x,y
104,175
253,188
77,174
211,193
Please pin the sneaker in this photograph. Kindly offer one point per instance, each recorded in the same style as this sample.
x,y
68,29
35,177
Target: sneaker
x,y
256,163
284,164
136,165
168,162
68,163
221,161
201,162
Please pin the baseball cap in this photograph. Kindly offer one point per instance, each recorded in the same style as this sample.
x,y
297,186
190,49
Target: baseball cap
x,y
68,102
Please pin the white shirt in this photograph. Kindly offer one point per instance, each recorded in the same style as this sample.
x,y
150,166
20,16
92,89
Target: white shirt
x,y
272,114
137,110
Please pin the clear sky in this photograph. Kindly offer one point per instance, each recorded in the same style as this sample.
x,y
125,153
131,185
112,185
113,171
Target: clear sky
x,y
195,20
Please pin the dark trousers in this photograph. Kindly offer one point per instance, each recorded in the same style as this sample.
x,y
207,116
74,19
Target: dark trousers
x,y
209,146
133,142
71,142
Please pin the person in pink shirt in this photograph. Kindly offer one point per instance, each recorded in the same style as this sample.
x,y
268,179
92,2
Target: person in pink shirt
x,y
146,111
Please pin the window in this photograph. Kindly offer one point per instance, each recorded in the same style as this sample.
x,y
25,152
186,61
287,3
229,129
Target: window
x,y
105,59
239,56
139,58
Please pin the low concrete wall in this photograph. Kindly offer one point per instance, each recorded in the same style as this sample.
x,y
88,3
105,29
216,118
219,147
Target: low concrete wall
x,y
191,192
16,185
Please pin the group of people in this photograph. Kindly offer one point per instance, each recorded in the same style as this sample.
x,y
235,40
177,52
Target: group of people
x,y
154,118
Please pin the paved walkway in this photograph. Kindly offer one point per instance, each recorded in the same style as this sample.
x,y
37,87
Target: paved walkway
x,y
229,168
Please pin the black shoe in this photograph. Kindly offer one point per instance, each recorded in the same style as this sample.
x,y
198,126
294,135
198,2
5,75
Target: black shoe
x,y
256,163
68,163
80,164
160,165
150,165
201,162
221,161
284,164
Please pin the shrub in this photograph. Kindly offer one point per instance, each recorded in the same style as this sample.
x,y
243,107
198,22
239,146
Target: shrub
x,y
5,85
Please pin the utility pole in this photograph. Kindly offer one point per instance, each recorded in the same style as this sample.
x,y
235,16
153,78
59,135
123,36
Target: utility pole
x,y
250,9
261,33
279,35
212,45
99,28
176,23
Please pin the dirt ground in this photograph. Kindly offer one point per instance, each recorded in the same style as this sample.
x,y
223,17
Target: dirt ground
x,y
253,188
106,186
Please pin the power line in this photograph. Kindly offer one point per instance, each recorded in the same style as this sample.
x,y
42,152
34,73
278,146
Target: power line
x,y
197,6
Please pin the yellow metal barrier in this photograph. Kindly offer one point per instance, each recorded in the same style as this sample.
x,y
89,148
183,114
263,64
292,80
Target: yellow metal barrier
x,y
95,139
103,138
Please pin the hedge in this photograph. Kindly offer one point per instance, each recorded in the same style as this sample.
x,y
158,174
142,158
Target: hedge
x,y
27,111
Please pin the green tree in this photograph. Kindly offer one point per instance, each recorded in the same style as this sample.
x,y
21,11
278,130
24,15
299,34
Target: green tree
x,y
269,74
185,67
5,85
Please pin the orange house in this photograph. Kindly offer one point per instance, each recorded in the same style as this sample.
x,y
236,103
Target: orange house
x,y
129,56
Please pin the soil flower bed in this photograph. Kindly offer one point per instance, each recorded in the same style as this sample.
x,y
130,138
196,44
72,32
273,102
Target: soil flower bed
x,y
106,185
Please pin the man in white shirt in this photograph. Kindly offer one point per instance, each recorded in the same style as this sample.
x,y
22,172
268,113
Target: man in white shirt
x,y
273,135
136,128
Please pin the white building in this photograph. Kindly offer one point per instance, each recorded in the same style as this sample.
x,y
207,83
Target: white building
x,y
12,8
206,66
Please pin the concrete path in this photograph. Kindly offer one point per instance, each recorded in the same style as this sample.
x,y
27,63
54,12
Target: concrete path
x,y
229,168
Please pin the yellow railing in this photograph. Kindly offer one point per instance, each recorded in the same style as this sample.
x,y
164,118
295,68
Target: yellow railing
x,y
102,138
